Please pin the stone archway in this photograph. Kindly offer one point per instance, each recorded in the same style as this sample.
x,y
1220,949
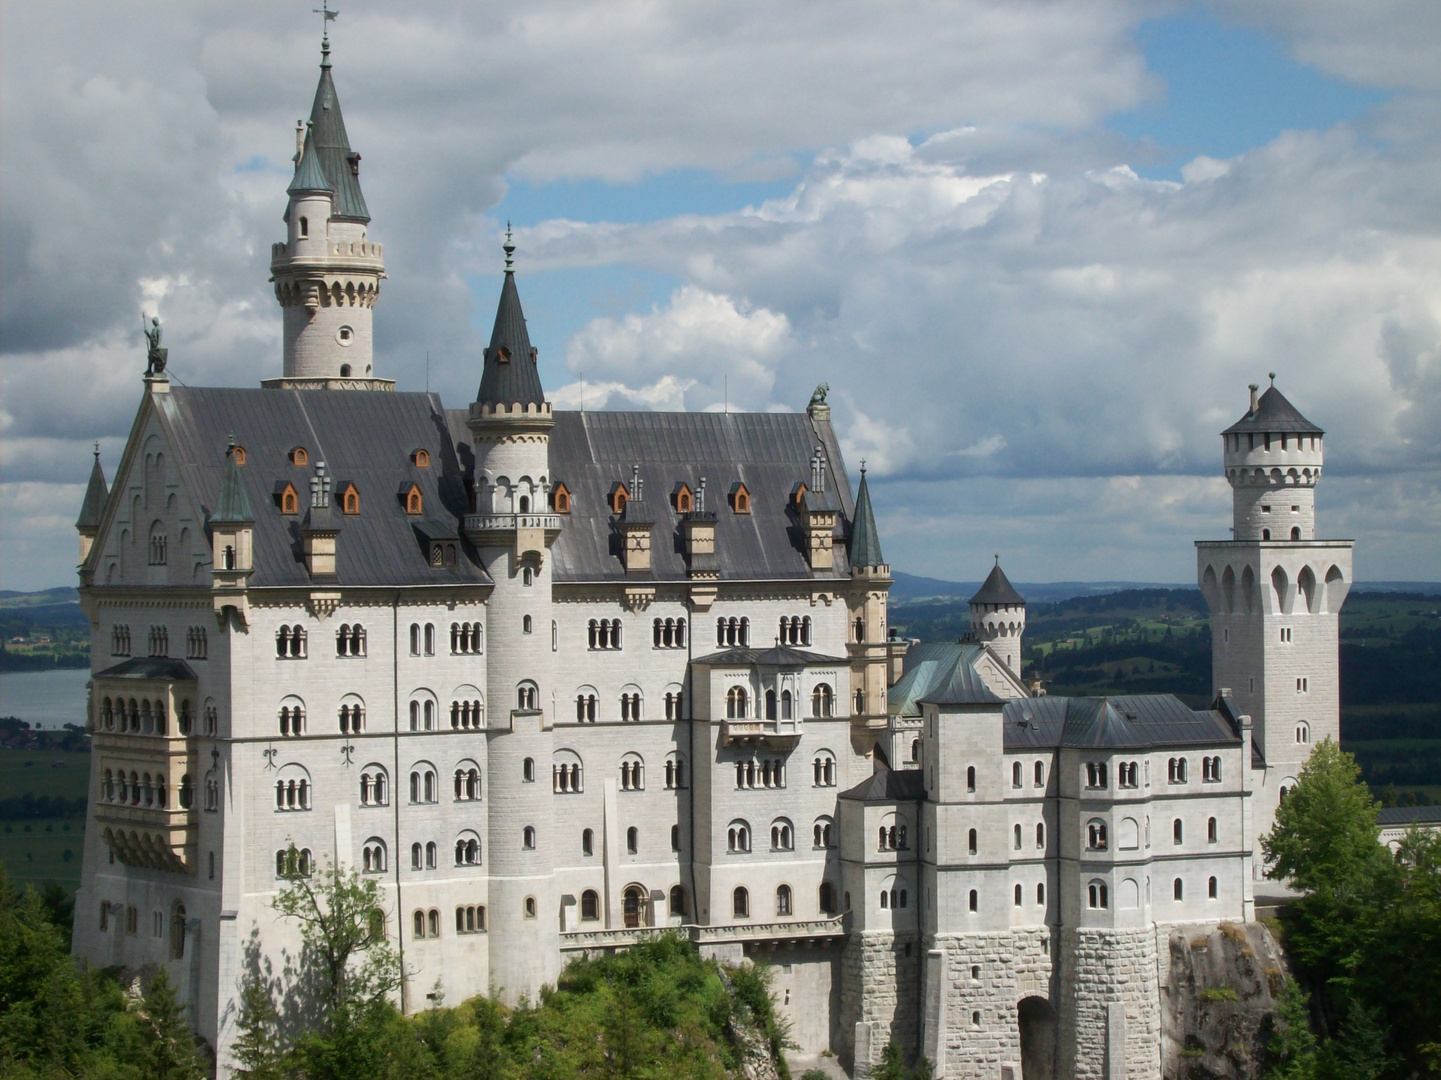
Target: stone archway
x,y
1038,1039
635,906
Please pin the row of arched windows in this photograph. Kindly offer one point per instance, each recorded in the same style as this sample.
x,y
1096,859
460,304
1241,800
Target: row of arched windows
x,y
733,632
668,633
143,717
795,630
604,634
350,640
140,789
466,638
290,642
197,644
761,773
159,643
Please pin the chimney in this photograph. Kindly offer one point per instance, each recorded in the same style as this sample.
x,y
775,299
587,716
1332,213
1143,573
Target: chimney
x,y
299,140
698,528
321,529
635,528
1254,402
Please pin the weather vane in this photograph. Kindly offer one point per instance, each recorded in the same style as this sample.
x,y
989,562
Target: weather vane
x,y
328,17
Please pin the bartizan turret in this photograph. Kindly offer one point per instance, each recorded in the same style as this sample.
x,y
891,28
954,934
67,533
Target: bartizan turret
x,y
327,273
998,617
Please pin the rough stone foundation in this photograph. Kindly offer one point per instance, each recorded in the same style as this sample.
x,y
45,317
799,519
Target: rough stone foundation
x,y
1110,1023
880,997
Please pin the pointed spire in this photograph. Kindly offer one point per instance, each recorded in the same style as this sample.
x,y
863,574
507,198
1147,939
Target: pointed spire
x,y
96,493
233,506
865,540
510,373
309,176
340,164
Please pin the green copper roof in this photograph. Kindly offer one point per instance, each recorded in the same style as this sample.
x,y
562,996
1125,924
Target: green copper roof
x,y
233,506
309,176
332,146
95,495
865,541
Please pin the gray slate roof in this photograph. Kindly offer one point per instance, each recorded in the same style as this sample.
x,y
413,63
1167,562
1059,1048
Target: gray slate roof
x,y
889,785
1407,815
775,656
1129,721
150,667
1274,414
507,381
332,145
997,589
364,438
865,547
769,452
95,495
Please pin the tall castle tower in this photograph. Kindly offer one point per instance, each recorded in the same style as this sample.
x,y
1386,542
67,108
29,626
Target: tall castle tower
x,y
513,528
327,272
1275,592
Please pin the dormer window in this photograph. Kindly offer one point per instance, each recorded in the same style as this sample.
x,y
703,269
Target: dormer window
x,y
237,454
287,498
560,499
349,499
420,458
410,496
798,496
619,496
740,498
682,499
502,354
299,456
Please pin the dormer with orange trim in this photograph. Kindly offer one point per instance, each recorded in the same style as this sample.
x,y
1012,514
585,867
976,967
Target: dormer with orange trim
x,y
411,498
560,498
798,494
286,497
420,457
349,498
299,455
682,499
740,498
237,454
618,497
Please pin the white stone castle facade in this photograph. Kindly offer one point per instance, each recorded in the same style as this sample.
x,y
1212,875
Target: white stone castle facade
x,y
560,680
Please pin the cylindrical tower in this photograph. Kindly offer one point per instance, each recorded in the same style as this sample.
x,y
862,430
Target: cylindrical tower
x,y
1273,460
327,272
513,528
998,617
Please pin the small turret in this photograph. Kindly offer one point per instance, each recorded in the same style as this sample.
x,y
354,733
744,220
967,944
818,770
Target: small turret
x,y
1273,461
96,493
321,529
865,550
510,379
998,617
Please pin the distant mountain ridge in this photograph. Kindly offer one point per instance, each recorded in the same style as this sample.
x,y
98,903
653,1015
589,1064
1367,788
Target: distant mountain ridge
x,y
909,588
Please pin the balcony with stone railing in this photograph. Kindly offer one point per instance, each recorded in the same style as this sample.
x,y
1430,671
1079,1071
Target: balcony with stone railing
x,y
754,731
777,931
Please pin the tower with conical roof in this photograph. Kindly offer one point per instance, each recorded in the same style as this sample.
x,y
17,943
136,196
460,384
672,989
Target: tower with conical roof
x,y
998,617
513,528
327,272
870,652
96,493
1275,592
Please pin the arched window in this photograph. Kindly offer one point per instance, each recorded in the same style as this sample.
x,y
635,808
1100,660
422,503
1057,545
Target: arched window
x,y
374,789
352,715
677,900
526,624
373,856
587,842
1096,835
1016,839
859,702
292,717
741,903
826,898
973,841
973,903
1041,893
1097,896
737,703
466,638
1015,774
527,770
632,773
674,772
566,773
783,900
675,837
1176,771
467,849
1212,887
527,838
821,832
1211,830
632,841
1040,836
738,837
527,695
782,835
630,706
1177,831
823,701
1018,899
590,905
1178,890
1303,732
971,778
177,932
823,769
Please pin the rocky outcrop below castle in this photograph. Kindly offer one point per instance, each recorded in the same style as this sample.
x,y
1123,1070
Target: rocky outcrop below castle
x,y
1219,987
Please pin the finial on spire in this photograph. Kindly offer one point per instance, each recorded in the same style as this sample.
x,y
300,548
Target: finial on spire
x,y
1273,377
97,449
229,443
509,248
863,466
998,558
327,17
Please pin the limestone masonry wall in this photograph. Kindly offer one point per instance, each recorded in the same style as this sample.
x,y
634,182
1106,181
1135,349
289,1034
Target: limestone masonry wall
x,y
984,979
880,996
1110,1005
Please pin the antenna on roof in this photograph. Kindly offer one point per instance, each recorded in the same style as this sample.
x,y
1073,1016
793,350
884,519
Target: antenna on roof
x,y
427,371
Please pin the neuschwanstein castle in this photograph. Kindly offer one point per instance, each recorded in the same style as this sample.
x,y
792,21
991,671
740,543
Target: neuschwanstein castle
x,y
560,680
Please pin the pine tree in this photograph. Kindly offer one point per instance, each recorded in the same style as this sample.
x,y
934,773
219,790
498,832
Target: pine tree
x,y
257,1046
173,1053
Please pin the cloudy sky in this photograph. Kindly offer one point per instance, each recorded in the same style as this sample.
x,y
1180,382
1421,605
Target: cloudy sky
x,y
1036,249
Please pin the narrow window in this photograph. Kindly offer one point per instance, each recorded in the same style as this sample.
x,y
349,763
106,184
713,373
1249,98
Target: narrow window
x,y
587,842
974,903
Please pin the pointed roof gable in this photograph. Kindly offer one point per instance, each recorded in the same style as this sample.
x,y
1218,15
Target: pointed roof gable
x,y
233,506
510,373
332,146
95,495
1274,413
997,589
865,540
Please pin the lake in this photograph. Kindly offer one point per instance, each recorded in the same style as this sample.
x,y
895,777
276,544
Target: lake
x,y
47,699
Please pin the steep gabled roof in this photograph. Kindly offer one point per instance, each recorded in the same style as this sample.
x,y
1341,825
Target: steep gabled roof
x,y
889,785
1274,413
997,589
865,539
95,495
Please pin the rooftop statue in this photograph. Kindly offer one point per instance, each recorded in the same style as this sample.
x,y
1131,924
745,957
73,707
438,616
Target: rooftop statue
x,y
155,356
819,397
